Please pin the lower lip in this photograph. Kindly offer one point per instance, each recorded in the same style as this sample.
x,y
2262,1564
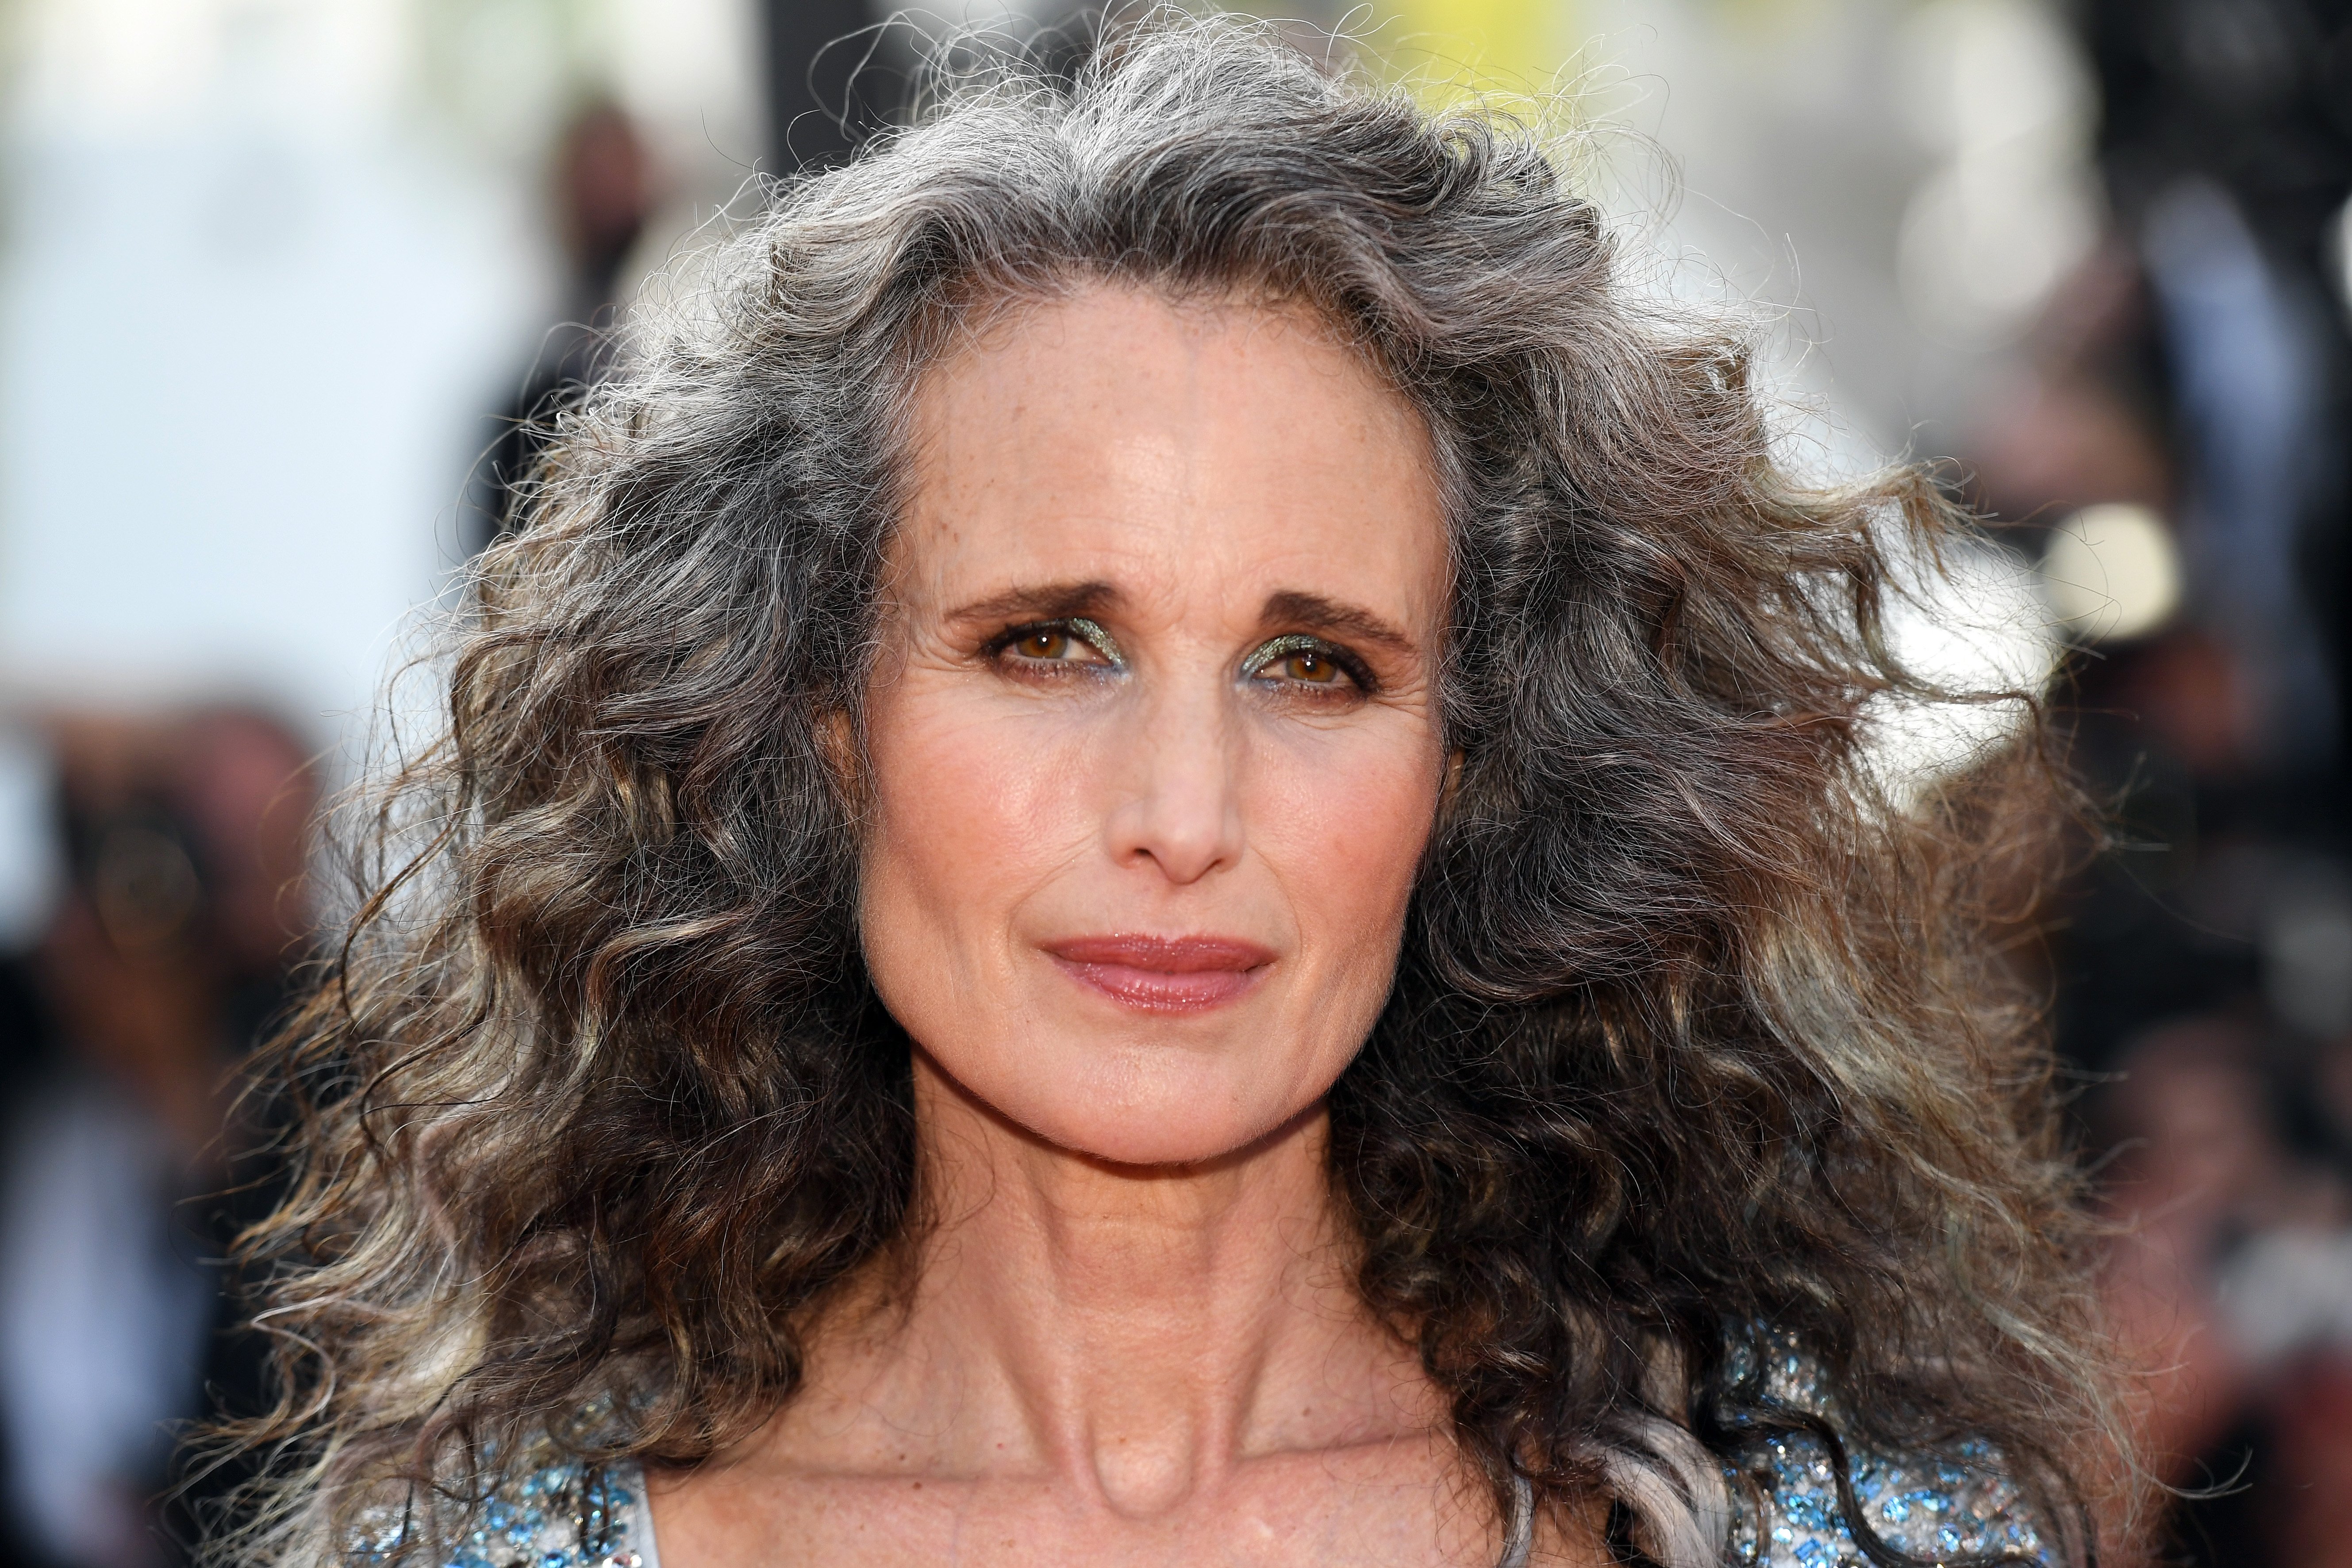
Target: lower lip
x,y
1159,991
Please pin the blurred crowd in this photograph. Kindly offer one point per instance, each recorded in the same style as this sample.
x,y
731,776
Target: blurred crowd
x,y
2184,410
2171,447
159,911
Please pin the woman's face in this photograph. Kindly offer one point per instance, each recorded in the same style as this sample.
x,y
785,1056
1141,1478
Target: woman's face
x,y
1153,738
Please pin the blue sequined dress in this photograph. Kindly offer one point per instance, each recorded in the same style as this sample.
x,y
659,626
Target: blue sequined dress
x,y
1787,1511
557,1516
1786,1507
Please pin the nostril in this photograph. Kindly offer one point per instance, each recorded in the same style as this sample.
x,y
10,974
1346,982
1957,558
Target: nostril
x,y
1183,844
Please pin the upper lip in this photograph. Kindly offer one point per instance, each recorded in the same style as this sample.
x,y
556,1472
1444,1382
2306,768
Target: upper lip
x,y
1164,954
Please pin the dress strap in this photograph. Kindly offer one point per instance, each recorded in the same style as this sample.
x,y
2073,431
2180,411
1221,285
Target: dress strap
x,y
633,1538
1521,1538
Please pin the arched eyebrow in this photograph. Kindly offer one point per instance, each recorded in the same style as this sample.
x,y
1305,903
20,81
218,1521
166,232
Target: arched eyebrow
x,y
1313,612
1040,602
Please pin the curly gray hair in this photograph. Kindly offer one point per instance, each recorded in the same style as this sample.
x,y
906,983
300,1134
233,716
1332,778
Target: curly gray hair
x,y
1694,1037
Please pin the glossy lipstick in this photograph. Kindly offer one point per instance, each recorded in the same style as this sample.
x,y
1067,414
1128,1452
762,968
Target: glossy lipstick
x,y
1160,973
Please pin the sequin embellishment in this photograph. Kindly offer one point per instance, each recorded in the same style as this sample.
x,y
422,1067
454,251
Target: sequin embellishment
x,y
1935,1507
559,1516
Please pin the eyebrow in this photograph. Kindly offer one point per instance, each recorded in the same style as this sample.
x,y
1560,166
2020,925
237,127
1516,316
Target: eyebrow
x,y
1313,613
1290,607
1039,600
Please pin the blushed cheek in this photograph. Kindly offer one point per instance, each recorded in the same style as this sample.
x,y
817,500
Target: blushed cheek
x,y
963,826
1352,852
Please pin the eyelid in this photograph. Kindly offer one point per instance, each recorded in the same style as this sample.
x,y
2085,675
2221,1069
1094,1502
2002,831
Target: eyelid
x,y
1094,632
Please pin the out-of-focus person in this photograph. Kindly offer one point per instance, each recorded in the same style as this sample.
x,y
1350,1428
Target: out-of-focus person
x,y
182,839
2227,141
604,187
2232,1281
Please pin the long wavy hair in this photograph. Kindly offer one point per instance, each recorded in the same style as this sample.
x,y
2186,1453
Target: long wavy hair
x,y
1699,1043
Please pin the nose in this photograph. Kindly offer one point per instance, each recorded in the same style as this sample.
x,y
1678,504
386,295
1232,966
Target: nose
x,y
1180,808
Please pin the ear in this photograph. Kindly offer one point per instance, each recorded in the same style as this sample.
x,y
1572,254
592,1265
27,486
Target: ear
x,y
836,741
1452,780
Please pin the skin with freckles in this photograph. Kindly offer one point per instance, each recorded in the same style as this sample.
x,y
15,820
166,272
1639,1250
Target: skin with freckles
x,y
1152,755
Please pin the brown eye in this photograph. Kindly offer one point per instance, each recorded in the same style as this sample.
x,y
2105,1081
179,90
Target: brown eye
x,y
1298,660
1069,646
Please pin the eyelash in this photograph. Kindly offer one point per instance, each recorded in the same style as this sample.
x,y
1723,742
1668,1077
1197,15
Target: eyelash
x,y
1290,646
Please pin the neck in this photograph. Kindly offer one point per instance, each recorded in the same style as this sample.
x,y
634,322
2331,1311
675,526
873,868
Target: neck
x,y
1136,1332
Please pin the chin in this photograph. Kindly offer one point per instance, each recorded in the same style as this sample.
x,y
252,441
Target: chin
x,y
1145,1139
1179,1119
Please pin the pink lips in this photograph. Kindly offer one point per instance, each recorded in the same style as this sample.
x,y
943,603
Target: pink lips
x,y
1163,975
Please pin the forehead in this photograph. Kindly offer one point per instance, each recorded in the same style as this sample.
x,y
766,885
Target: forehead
x,y
1116,434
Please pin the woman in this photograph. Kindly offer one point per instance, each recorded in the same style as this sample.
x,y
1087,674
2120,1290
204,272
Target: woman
x,y
1160,849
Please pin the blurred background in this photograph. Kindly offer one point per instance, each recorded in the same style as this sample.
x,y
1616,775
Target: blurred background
x,y
278,278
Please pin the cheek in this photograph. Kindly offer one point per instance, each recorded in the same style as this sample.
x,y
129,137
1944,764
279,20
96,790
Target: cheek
x,y
1344,833
965,822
